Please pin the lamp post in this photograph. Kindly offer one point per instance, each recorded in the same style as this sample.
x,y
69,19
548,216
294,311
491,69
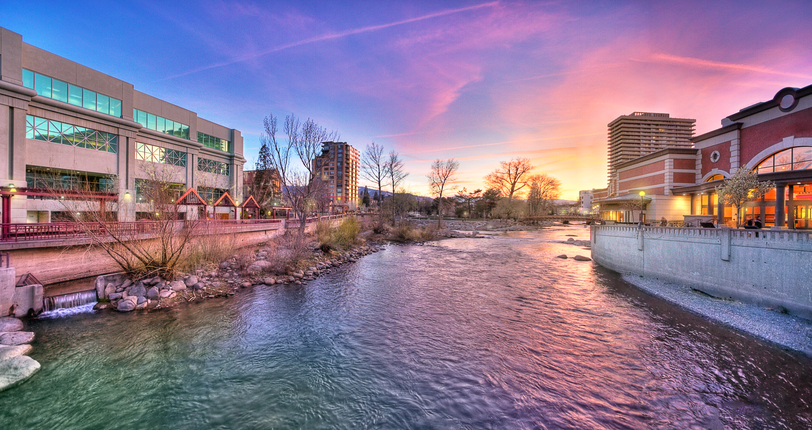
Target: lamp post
x,y
642,206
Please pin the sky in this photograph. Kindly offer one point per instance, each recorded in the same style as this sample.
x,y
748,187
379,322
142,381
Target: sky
x,y
478,81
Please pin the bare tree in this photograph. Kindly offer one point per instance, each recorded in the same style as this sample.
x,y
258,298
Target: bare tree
x,y
509,178
373,169
442,174
395,174
742,187
543,190
302,183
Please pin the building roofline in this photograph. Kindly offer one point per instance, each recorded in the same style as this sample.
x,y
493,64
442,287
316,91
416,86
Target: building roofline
x,y
717,132
769,104
653,155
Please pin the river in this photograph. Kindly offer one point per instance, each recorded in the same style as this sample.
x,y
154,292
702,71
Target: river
x,y
462,333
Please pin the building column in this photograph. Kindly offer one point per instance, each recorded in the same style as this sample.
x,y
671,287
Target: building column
x,y
720,210
779,205
693,209
790,208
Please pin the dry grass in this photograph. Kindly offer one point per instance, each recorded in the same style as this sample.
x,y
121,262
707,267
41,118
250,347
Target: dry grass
x,y
208,247
341,237
407,232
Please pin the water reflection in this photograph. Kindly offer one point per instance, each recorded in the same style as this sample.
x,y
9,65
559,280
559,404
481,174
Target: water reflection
x,y
482,333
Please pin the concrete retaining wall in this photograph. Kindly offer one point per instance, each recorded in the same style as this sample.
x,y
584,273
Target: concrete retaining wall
x,y
769,268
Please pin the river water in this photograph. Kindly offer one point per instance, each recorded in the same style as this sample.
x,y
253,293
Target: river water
x,y
462,333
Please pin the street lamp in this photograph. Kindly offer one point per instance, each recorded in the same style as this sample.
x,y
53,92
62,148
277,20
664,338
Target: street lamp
x,y
642,205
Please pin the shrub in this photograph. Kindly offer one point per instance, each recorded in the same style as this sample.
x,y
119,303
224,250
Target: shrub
x,y
347,232
209,247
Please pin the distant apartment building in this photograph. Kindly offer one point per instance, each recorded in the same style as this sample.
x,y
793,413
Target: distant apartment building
x,y
586,198
338,165
641,133
72,133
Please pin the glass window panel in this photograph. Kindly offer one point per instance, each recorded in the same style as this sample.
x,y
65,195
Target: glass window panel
x,y
142,118
151,122
170,126
177,130
74,95
115,107
28,79
60,90
185,132
89,99
161,125
103,104
802,158
43,85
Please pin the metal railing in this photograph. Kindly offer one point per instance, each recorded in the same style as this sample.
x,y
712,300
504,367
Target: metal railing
x,y
27,232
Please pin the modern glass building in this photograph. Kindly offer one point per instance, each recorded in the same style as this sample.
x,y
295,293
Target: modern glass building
x,y
72,133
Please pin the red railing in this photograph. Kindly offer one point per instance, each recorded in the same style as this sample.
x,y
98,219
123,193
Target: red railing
x,y
26,232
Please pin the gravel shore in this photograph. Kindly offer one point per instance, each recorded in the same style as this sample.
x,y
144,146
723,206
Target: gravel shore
x,y
782,329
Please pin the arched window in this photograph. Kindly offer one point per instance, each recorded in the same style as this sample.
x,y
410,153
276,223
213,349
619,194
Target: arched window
x,y
795,158
715,177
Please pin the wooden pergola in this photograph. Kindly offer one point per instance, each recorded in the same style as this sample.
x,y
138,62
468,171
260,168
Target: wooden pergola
x,y
191,198
250,204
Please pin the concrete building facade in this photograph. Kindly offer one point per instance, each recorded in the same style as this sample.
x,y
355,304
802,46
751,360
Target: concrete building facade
x,y
640,133
338,165
73,134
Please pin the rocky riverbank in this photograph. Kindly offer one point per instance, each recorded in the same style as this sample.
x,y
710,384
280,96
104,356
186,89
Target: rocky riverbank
x,y
244,271
15,366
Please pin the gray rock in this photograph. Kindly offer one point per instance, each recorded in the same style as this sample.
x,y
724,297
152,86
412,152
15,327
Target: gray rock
x,y
268,281
177,286
16,369
197,287
142,305
299,275
124,286
151,281
16,337
581,258
259,267
160,285
7,352
564,256
153,293
140,299
115,296
246,284
262,255
190,280
165,293
126,305
10,324
110,289
137,290
224,265
100,306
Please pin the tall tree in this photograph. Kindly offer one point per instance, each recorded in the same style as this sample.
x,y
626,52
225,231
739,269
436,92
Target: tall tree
x,y
395,174
442,174
469,199
265,186
510,177
373,169
301,184
742,187
543,190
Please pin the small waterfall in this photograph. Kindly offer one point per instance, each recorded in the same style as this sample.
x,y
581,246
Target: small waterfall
x,y
67,301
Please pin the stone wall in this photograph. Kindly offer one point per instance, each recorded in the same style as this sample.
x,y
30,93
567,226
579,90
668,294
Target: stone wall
x,y
770,268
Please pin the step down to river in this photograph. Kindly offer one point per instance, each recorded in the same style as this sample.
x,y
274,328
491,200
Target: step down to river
x,y
71,300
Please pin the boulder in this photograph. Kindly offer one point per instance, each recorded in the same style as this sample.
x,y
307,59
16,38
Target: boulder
x,y
10,324
100,306
140,299
7,352
564,256
197,287
137,290
259,267
153,293
142,305
127,305
581,258
16,337
124,286
268,281
16,369
165,293
246,284
190,280
110,289
115,296
151,281
177,286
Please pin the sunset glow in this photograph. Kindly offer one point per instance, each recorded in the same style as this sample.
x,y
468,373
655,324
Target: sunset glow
x,y
481,82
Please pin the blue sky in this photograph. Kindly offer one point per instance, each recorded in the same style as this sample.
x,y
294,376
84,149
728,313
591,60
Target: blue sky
x,y
482,82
